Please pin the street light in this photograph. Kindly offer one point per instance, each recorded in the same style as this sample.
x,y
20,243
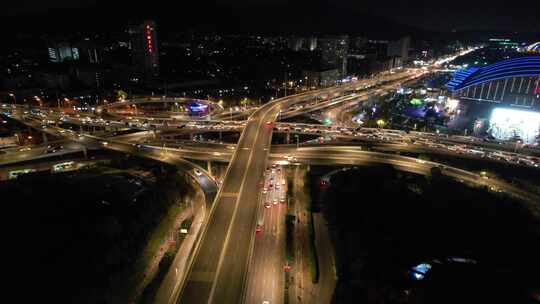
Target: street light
x,y
38,100
381,123
14,97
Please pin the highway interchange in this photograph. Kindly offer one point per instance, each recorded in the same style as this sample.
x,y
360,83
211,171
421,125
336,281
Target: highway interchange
x,y
230,264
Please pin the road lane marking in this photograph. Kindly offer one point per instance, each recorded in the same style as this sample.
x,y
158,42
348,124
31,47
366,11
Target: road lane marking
x,y
202,276
229,194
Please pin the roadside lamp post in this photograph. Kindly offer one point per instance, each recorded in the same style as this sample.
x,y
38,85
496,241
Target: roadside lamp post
x,y
14,97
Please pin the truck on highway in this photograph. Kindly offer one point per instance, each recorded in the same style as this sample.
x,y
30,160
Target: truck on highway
x,y
65,166
17,173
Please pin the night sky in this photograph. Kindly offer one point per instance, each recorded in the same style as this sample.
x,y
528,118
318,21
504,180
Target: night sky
x,y
428,15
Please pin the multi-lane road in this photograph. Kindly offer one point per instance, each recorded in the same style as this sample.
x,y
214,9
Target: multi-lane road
x,y
230,264
266,280
219,270
218,273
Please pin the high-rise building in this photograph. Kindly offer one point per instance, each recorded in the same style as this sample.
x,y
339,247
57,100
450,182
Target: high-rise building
x,y
333,52
61,52
305,44
295,43
400,48
89,51
144,46
320,78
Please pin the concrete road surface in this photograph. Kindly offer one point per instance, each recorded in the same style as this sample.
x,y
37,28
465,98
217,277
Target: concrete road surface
x,y
218,273
266,273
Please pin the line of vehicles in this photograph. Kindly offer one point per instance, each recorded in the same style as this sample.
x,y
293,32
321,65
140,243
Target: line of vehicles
x,y
457,144
60,167
274,192
474,149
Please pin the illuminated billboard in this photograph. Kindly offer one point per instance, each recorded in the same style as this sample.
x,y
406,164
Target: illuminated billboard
x,y
507,123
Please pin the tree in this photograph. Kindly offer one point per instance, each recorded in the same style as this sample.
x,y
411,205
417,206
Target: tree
x,y
121,95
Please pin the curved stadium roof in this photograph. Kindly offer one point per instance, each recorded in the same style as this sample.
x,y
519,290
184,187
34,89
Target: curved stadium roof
x,y
535,47
516,67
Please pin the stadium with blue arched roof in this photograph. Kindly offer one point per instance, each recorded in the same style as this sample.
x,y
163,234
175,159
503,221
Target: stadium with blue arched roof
x,y
533,48
513,81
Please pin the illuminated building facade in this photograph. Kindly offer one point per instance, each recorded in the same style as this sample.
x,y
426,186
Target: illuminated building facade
x,y
63,52
514,124
514,82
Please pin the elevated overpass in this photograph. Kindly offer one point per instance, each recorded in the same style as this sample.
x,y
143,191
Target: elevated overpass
x,y
210,106
219,267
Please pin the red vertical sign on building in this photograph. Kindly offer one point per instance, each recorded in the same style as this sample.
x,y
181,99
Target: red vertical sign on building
x,y
149,38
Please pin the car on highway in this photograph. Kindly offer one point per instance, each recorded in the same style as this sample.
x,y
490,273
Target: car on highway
x,y
198,172
290,158
52,149
267,205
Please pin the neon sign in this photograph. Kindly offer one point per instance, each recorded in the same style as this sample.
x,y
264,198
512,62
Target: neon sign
x,y
149,38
